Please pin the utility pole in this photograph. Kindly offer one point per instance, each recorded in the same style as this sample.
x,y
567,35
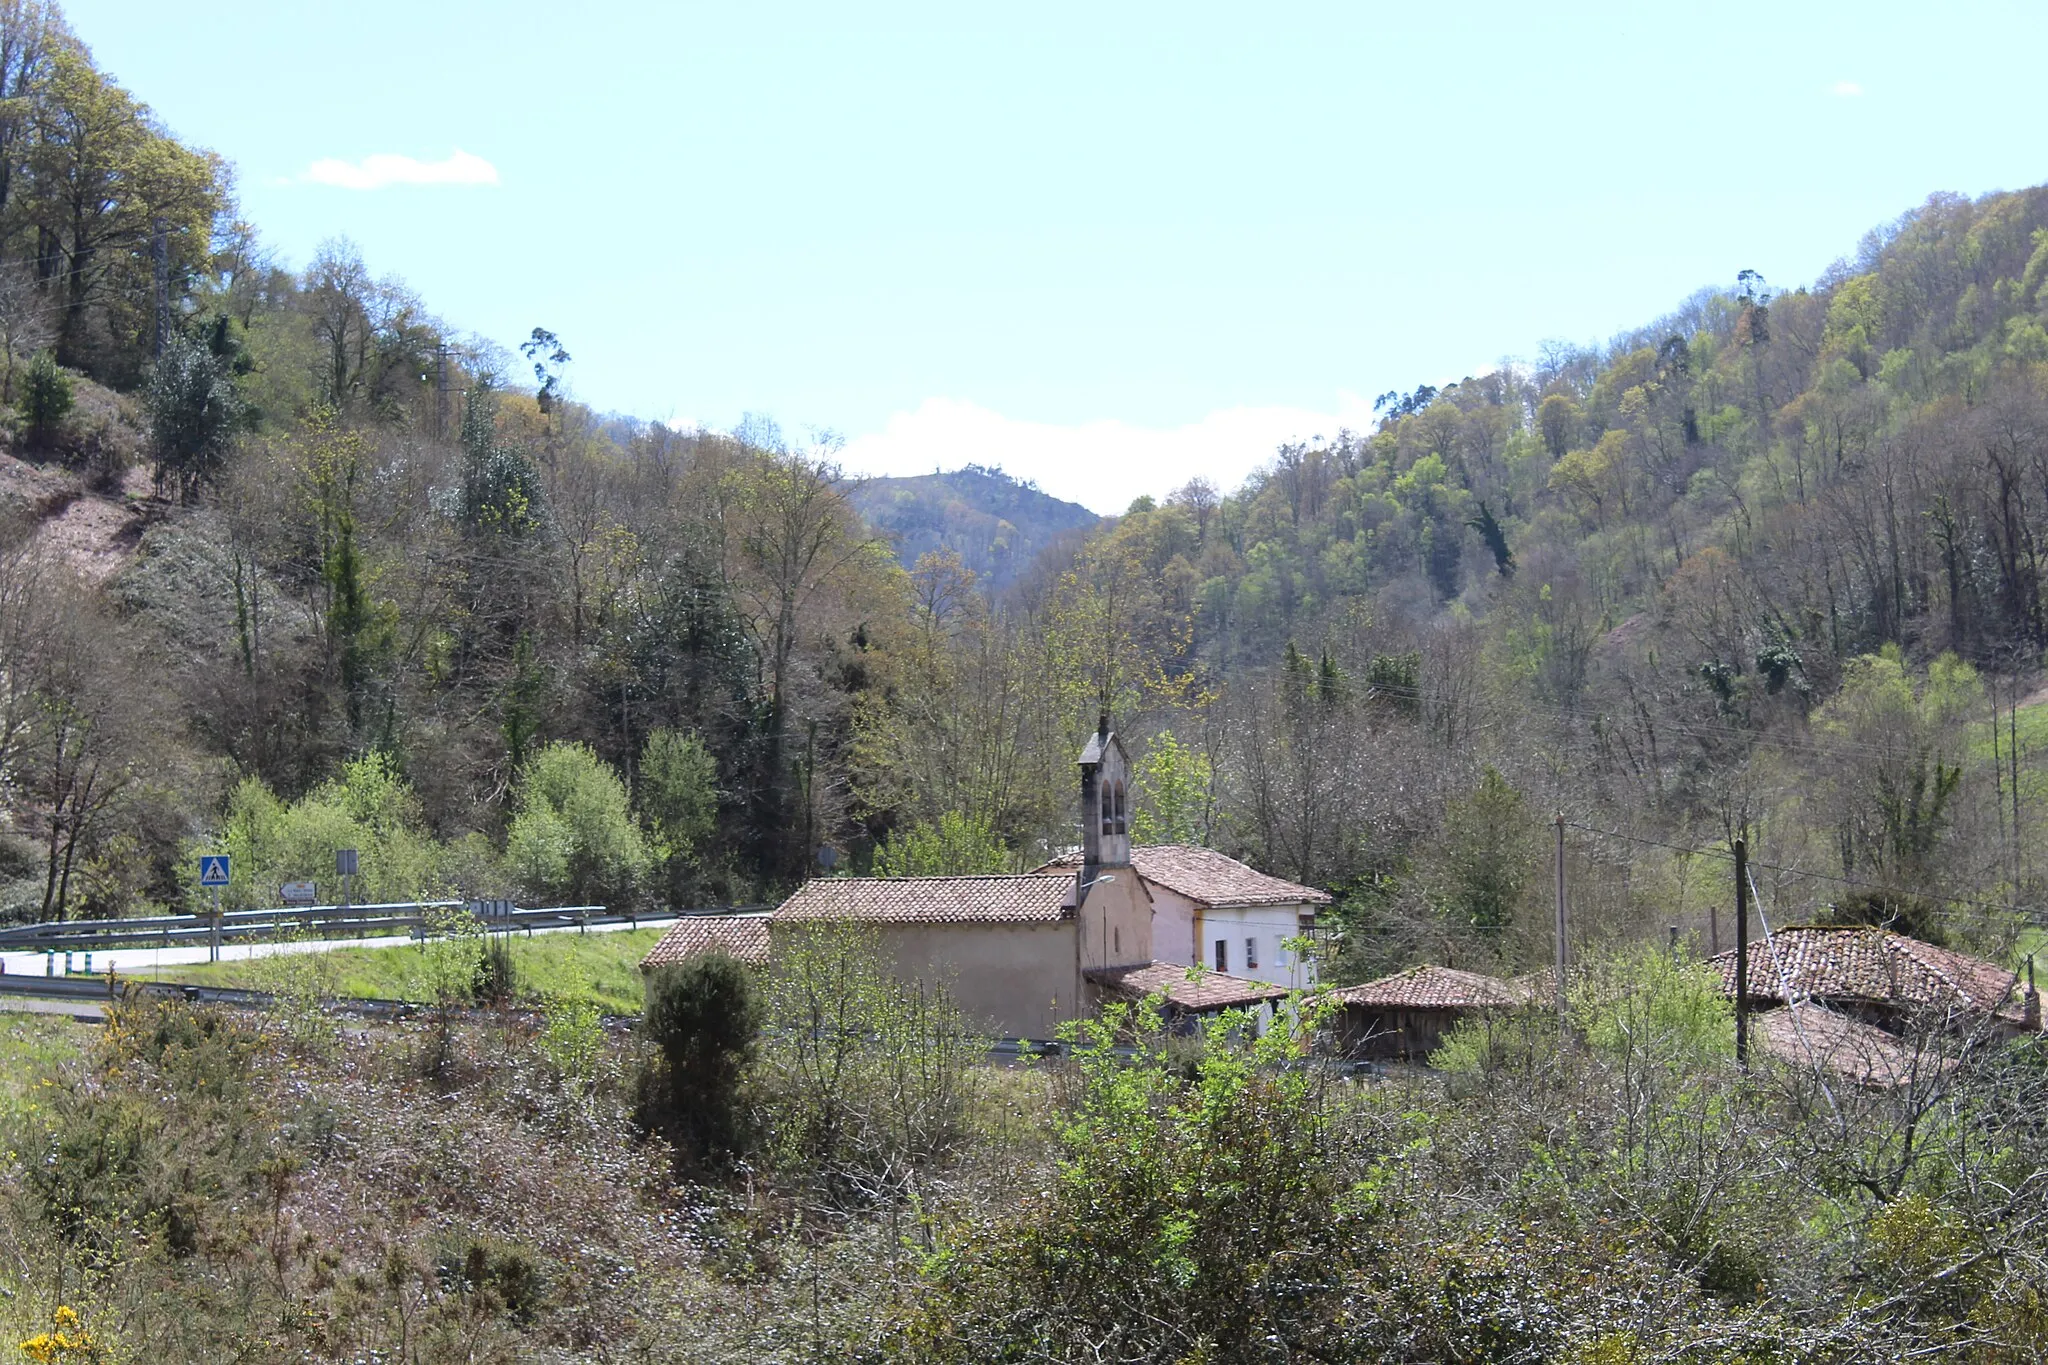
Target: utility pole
x,y
160,270
440,390
1742,952
1562,961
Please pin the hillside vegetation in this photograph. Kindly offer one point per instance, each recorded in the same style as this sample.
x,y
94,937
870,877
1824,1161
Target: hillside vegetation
x,y
1767,567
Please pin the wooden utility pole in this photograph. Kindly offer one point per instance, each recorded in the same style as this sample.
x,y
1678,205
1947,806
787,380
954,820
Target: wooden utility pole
x,y
1742,952
1562,961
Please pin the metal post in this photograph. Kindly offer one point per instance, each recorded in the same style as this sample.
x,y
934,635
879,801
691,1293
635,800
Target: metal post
x,y
213,944
1562,959
1742,952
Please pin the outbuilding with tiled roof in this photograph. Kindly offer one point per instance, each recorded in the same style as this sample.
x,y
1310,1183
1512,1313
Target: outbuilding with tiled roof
x,y
1883,977
743,936
1407,1014
1187,992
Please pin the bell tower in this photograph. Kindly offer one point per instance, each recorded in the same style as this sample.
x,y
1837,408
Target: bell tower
x,y
1105,804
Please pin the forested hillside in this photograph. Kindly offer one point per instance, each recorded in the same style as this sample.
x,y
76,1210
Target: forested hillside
x,y
292,561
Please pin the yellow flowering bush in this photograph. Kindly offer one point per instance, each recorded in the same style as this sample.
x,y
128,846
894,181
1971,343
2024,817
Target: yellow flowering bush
x,y
66,1343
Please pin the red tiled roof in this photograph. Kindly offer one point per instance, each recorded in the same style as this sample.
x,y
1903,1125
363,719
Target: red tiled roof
x,y
1204,875
1823,962
1810,1035
931,900
1190,988
1433,988
744,936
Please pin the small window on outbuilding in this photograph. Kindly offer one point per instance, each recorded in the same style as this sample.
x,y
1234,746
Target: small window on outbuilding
x,y
1222,954
1251,954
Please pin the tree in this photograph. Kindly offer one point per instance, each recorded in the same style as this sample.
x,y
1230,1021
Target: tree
x,y
1489,855
702,1016
955,845
573,836
194,411
678,801
1174,793
106,180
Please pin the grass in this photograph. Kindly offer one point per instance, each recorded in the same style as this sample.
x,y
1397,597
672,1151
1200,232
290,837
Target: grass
x,y
601,968
32,1047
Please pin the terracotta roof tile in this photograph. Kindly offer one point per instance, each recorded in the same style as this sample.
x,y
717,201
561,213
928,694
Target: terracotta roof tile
x,y
1852,963
1203,875
744,936
1190,988
1433,988
1810,1035
931,900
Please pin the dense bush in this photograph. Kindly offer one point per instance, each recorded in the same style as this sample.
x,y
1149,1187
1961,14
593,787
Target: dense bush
x,y
702,1016
45,400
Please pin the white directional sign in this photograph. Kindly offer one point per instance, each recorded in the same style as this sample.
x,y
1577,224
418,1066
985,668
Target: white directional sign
x,y
299,893
213,869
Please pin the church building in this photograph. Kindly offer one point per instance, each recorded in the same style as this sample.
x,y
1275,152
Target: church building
x,y
1022,954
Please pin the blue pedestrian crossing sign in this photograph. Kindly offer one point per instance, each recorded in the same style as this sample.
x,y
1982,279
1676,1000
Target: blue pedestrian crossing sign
x,y
213,869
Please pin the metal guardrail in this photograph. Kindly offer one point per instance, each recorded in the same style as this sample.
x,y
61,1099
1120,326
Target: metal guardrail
x,y
313,921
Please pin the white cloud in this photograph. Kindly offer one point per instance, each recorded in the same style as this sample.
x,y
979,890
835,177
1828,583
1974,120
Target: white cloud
x,y
1845,90
1101,465
385,169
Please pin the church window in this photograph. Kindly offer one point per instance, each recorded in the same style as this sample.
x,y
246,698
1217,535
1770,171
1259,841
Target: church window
x,y
1122,821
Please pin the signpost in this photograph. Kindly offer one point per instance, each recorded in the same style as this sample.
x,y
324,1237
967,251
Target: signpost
x,y
213,874
299,893
345,868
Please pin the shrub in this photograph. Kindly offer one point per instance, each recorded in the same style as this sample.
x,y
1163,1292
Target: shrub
x,y
702,1016
1197,1220
45,399
865,1077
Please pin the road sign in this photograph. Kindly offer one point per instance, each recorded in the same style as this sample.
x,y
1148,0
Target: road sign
x,y
299,893
213,869
344,862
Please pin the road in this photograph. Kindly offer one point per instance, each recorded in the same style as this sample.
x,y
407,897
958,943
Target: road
x,y
148,959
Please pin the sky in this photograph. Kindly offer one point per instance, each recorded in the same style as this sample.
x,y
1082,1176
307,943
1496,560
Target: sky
x,y
1107,247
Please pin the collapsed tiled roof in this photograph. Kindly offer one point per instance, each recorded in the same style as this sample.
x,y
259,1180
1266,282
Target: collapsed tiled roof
x,y
1855,963
1433,988
1205,876
931,900
744,936
1813,1036
1189,988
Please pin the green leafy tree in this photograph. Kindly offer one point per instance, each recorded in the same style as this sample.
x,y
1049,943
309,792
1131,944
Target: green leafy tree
x,y
955,845
1174,799
573,836
678,801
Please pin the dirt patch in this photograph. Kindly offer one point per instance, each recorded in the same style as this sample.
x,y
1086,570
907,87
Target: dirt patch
x,y
96,533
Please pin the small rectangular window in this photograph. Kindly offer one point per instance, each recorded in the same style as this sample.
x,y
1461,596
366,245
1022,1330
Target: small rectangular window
x,y
1251,954
1222,954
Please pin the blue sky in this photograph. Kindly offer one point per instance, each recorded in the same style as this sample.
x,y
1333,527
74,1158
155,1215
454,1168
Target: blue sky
x,y
1108,247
